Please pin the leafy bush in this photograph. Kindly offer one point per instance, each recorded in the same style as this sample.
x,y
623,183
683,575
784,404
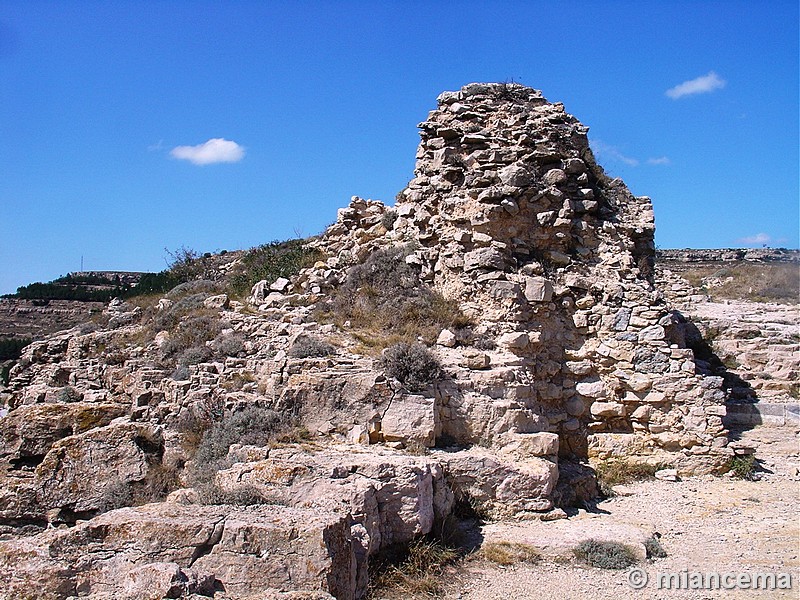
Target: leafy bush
x,y
191,334
605,555
744,467
271,261
306,346
413,365
195,355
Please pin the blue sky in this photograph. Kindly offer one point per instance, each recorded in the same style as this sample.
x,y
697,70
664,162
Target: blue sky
x,y
104,106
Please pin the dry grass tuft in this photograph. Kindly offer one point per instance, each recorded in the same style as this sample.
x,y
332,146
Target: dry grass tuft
x,y
509,553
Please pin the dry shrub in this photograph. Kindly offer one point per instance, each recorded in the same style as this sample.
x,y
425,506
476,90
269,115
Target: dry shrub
x,y
254,426
413,365
417,568
306,346
509,553
385,302
605,555
620,471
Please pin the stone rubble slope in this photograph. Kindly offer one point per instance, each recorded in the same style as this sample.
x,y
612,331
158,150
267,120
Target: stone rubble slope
x,y
509,216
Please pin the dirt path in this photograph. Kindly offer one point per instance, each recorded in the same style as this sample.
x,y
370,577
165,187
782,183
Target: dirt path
x,y
707,524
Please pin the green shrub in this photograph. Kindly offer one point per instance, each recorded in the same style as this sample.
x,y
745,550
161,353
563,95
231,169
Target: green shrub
x,y
243,495
195,355
413,365
605,555
229,344
271,261
744,467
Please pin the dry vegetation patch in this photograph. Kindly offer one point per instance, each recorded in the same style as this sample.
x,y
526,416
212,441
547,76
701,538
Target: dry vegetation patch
x,y
757,282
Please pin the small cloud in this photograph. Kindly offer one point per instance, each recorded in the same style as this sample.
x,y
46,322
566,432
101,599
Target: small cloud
x,y
603,150
754,240
661,160
215,150
156,147
700,85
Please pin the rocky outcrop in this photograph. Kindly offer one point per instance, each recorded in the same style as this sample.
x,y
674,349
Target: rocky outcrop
x,y
571,355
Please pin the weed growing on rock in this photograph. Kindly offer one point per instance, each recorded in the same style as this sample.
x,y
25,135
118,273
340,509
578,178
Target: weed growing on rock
x,y
271,261
605,555
254,426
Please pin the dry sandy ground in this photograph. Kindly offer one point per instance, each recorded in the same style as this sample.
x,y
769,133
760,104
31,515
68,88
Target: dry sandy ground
x,y
707,524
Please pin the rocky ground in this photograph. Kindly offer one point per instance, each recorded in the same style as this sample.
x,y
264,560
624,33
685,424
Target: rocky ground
x,y
707,524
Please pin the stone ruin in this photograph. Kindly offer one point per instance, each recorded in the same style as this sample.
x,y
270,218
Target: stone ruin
x,y
509,216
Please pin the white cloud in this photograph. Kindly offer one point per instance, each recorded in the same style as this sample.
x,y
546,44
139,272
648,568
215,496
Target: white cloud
x,y
700,85
661,160
215,150
603,150
753,240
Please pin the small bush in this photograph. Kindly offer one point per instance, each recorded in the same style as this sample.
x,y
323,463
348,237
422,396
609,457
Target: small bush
x,y
181,373
605,555
195,355
413,365
383,301
308,347
654,548
198,287
192,332
744,467
508,553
